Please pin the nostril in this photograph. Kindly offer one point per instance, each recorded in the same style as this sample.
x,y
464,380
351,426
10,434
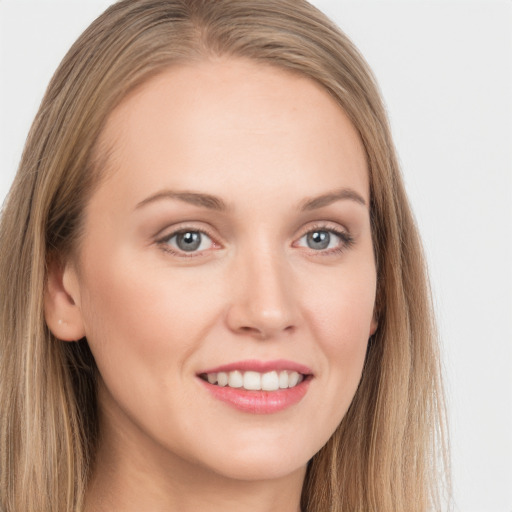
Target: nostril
x,y
261,316
253,331
265,333
249,330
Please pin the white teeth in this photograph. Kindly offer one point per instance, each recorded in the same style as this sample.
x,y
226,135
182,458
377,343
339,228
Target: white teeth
x,y
222,379
270,381
283,379
235,379
254,381
293,379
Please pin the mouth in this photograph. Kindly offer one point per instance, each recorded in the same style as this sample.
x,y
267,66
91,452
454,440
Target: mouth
x,y
258,387
255,381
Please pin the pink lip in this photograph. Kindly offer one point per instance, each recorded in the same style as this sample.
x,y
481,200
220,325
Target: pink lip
x,y
258,402
261,366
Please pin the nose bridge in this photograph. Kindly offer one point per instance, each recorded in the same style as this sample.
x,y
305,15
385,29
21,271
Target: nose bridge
x,y
264,303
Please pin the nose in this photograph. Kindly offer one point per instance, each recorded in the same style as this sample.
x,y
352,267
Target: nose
x,y
264,304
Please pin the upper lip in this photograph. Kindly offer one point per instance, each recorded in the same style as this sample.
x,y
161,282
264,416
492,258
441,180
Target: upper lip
x,y
260,366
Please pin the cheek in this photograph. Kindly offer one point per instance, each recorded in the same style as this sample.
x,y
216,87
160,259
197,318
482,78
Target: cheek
x,y
342,320
344,345
342,308
143,314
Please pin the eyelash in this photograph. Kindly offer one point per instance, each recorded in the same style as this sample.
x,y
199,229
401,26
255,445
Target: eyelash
x,y
165,246
346,241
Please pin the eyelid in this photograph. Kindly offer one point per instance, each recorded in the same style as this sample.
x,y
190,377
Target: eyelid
x,y
342,233
163,240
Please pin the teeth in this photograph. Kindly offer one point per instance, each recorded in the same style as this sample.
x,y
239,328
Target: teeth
x,y
293,379
235,379
270,381
283,380
254,381
222,379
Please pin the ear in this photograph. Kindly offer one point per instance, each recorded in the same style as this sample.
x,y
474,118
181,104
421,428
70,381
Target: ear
x,y
374,323
373,326
61,302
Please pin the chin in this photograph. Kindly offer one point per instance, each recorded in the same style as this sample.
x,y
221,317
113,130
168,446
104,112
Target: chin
x,y
261,468
262,457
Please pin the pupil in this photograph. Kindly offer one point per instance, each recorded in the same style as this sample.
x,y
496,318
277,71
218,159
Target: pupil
x,y
188,241
318,240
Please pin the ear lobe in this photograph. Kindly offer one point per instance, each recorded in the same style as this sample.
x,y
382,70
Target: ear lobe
x,y
373,325
61,308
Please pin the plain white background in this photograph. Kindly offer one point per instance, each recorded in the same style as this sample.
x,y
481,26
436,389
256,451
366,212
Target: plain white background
x,y
445,70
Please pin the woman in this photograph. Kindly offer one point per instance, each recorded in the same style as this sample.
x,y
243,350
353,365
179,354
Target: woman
x,y
214,290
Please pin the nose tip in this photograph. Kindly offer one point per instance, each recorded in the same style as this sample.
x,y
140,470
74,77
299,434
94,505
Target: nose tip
x,y
263,303
261,324
265,324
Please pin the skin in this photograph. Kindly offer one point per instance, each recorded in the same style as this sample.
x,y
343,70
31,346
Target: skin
x,y
263,141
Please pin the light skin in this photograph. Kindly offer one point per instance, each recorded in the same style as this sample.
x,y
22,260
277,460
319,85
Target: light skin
x,y
251,161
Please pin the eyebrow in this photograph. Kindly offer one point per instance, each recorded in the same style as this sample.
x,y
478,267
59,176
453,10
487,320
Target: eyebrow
x,y
194,198
331,197
216,203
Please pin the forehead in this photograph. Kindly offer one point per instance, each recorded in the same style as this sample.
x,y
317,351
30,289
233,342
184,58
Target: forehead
x,y
232,120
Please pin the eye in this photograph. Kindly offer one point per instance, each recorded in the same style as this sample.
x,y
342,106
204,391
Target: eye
x,y
188,241
323,239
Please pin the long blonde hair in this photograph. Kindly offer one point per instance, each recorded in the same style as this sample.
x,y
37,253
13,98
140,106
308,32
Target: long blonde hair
x,y
389,452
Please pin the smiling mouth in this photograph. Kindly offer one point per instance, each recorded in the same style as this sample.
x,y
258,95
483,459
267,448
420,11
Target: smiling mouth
x,y
255,381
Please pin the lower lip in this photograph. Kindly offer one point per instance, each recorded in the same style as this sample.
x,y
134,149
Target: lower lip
x,y
259,402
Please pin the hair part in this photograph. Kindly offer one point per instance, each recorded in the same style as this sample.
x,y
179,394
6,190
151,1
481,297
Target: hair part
x,y
390,448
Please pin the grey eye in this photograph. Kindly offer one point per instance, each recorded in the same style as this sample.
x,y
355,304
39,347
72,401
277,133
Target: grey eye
x,y
322,239
190,241
318,240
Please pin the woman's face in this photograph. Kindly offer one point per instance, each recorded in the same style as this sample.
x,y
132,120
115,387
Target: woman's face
x,y
230,241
